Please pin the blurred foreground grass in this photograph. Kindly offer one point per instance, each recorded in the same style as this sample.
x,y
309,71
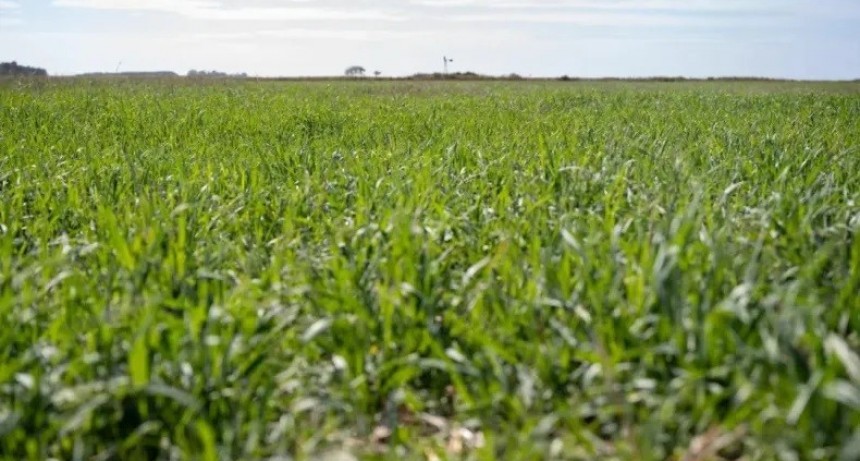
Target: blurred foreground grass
x,y
429,271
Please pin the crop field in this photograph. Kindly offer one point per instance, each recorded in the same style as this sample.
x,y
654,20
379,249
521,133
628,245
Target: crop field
x,y
429,271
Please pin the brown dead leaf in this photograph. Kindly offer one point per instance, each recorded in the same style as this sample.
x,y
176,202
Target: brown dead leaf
x,y
461,439
706,447
438,423
381,435
431,455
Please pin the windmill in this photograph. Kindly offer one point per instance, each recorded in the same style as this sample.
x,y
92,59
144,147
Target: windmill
x,y
446,60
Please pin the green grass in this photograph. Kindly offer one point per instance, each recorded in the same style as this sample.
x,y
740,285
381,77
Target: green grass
x,y
566,271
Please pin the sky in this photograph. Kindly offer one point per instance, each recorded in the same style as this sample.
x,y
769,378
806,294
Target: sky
x,y
800,39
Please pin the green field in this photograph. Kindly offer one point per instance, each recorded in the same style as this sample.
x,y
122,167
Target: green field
x,y
429,271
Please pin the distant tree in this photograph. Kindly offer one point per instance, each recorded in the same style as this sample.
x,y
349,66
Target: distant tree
x,y
377,73
214,74
13,68
354,71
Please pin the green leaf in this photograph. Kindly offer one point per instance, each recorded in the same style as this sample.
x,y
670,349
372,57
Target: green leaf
x,y
138,362
849,359
316,329
82,415
207,441
845,393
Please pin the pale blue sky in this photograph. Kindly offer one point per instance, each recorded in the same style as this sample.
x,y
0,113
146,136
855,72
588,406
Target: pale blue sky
x,y
807,39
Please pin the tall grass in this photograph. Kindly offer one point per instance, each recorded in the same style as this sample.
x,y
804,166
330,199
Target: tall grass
x,y
243,271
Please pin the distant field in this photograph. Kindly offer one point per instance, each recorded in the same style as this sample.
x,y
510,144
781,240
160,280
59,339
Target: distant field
x,y
429,270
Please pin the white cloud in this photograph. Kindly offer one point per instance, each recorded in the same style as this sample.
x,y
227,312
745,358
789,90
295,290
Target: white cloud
x,y
685,11
311,34
11,22
610,13
582,12
629,5
218,11
605,19
173,6
10,15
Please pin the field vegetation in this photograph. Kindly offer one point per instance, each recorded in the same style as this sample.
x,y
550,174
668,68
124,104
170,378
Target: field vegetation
x,y
420,270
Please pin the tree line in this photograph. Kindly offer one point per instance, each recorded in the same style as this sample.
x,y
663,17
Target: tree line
x,y
13,68
213,73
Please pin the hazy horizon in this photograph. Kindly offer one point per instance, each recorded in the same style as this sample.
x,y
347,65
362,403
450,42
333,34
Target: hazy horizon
x,y
793,39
